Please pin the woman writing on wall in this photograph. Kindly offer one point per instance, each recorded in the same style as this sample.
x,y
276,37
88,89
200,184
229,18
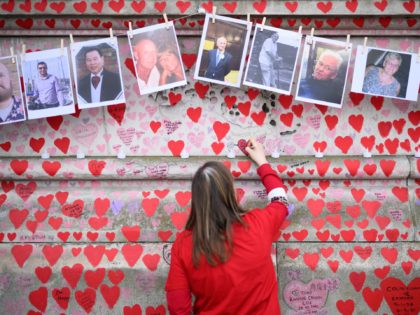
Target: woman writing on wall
x,y
223,257
381,80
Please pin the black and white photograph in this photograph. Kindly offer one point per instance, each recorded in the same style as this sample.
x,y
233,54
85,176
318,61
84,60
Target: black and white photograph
x,y
222,52
273,59
97,71
323,72
157,58
386,73
48,87
12,108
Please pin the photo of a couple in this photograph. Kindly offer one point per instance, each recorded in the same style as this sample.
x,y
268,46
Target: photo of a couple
x,y
157,58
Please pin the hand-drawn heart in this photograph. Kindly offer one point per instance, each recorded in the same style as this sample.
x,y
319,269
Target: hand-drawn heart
x,y
132,253
295,292
242,144
86,299
151,261
72,274
110,294
39,298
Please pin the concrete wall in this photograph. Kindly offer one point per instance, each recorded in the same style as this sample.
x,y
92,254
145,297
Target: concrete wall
x,y
93,235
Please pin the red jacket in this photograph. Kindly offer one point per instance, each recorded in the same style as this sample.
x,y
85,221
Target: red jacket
x,y
246,283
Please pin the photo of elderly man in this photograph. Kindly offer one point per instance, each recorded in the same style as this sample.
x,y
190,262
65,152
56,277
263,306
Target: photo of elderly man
x,y
157,58
48,87
323,79
97,69
11,106
222,52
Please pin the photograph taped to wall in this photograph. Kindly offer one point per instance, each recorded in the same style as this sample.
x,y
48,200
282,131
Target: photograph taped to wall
x,y
12,108
97,71
387,73
323,71
222,52
157,59
48,86
273,58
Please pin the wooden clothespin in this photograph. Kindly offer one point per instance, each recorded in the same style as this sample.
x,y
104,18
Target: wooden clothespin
x,y
165,17
214,14
364,45
111,34
130,29
418,56
12,53
300,29
262,24
62,46
248,17
71,38
348,42
23,51
311,37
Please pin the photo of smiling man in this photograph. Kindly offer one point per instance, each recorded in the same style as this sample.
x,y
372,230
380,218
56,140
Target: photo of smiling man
x,y
98,79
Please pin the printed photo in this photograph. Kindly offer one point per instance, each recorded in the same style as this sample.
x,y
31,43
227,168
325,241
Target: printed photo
x,y
157,58
48,87
386,73
11,102
323,72
273,57
222,51
96,66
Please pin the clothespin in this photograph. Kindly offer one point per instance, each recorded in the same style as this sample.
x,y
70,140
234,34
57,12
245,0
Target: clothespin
x,y
364,45
201,10
62,46
248,17
165,17
348,42
319,154
130,29
418,55
300,29
262,24
214,14
45,155
80,154
309,40
110,32
23,51
71,38
12,53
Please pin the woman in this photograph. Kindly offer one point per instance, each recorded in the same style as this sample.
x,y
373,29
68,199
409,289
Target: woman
x,y
171,68
223,257
381,81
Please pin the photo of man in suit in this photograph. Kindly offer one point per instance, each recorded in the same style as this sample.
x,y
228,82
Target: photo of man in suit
x,y
219,61
99,85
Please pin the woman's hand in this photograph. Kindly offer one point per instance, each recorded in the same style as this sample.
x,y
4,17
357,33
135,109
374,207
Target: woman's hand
x,y
256,152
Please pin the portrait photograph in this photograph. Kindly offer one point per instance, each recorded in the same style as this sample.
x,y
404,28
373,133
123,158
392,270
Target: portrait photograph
x,y
323,71
272,60
12,108
386,73
48,86
222,52
97,71
157,58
